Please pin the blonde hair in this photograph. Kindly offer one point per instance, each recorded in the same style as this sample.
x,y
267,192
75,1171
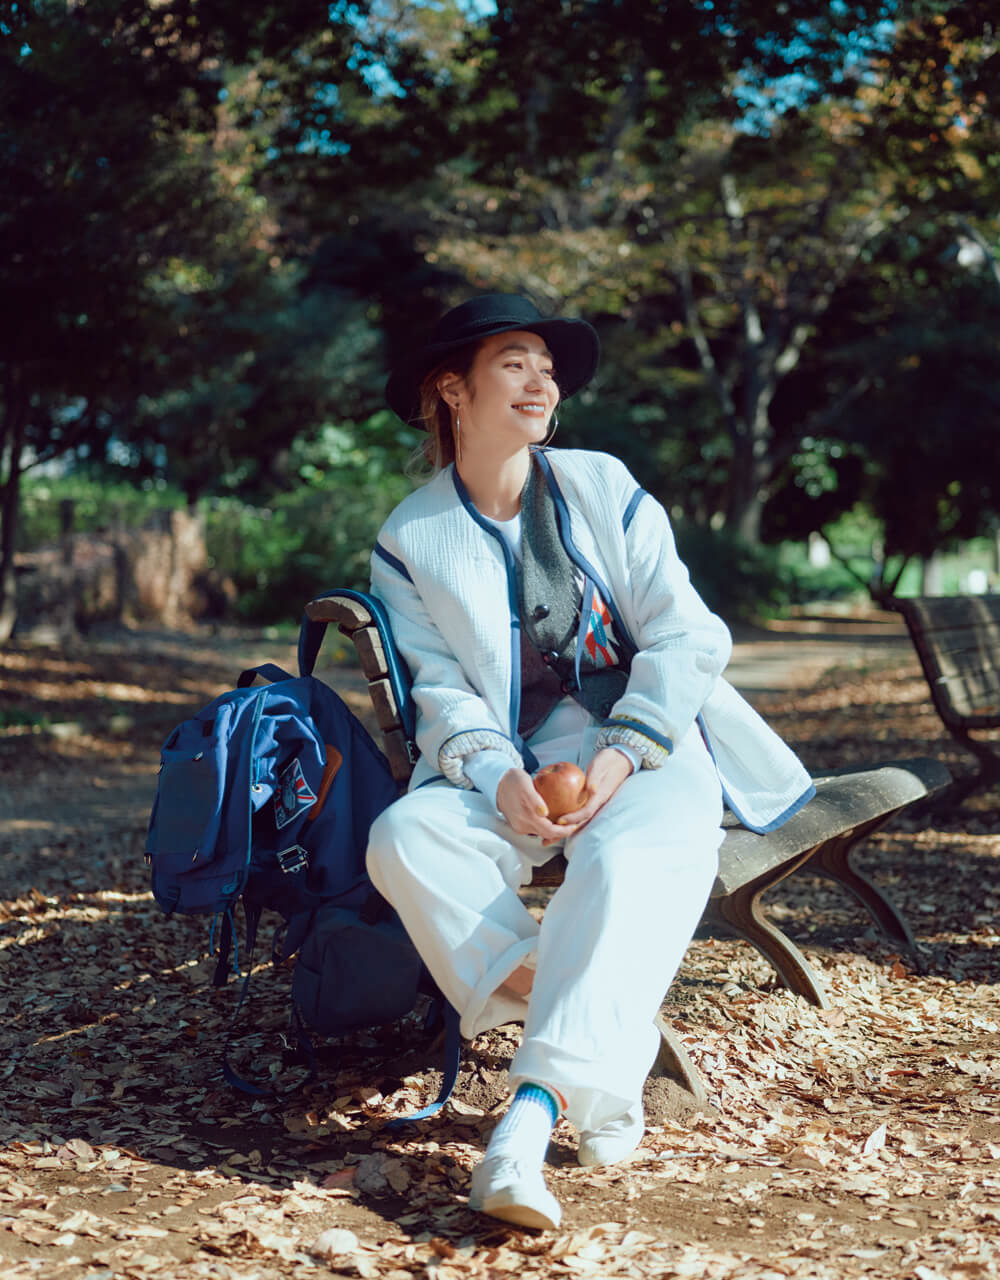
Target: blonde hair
x,y
438,450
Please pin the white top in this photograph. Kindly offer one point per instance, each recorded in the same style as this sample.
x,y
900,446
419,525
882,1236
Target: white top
x,y
487,767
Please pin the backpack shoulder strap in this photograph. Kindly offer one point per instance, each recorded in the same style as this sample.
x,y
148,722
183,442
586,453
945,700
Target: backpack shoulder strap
x,y
269,671
230,1074
452,1062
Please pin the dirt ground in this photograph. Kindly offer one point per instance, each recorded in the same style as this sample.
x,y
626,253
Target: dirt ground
x,y
863,1140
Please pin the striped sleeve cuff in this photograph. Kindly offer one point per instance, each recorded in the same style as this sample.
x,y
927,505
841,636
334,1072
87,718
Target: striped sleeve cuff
x,y
653,753
456,750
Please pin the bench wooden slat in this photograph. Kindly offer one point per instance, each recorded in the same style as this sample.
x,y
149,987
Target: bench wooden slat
x,y
973,696
346,613
384,705
957,639
368,644
395,744
976,615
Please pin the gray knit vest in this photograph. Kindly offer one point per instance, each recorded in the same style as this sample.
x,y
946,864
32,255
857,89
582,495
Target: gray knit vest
x,y
552,594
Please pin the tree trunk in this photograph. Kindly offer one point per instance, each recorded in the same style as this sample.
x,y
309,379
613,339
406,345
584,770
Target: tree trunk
x,y
750,472
11,448
931,579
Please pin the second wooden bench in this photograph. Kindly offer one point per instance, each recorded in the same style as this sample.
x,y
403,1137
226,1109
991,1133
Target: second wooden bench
x,y
957,639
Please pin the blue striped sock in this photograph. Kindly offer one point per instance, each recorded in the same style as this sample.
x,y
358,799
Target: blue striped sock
x,y
523,1134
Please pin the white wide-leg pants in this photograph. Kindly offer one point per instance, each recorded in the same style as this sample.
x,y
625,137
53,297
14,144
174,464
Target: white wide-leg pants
x,y
611,939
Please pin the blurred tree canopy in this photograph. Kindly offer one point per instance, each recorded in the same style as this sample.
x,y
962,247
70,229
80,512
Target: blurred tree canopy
x,y
224,223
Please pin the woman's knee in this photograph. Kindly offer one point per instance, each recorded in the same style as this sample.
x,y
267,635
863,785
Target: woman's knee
x,y
406,834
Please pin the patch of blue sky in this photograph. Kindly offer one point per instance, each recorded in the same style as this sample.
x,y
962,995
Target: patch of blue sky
x,y
763,101
375,74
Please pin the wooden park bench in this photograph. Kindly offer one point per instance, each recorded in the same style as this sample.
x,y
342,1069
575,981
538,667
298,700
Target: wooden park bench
x,y
957,639
847,807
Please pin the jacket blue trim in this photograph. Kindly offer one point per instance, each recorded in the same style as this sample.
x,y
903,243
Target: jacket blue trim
x,y
515,617
782,818
435,777
564,525
634,501
640,727
395,561
586,607
775,823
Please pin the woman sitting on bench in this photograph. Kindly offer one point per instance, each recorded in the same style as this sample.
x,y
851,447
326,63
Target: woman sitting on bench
x,y
538,599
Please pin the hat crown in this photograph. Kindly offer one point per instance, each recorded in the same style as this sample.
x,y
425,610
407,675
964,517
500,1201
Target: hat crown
x,y
488,311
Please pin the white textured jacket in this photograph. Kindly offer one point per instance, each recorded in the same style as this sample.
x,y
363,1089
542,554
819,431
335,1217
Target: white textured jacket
x,y
448,582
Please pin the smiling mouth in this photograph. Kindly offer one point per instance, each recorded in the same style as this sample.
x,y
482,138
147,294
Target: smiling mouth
x,y
530,407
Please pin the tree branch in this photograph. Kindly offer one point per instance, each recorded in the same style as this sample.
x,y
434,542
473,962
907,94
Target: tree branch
x,y
706,357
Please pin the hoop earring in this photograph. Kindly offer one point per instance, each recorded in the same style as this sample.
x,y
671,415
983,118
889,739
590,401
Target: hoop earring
x,y
553,430
458,438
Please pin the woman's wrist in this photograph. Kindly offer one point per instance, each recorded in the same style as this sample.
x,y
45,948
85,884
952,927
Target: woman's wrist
x,y
486,770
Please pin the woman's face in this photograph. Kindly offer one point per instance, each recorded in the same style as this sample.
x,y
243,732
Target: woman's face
x,y
510,392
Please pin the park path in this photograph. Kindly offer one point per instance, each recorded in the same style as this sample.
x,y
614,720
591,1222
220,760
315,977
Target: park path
x,y
794,652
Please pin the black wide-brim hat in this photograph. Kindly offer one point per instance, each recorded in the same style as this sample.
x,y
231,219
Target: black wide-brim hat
x,y
574,345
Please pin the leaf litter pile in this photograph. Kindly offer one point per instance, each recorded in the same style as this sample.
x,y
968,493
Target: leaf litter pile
x,y
863,1140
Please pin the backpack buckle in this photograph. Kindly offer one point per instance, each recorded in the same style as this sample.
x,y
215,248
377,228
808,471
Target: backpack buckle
x,y
294,858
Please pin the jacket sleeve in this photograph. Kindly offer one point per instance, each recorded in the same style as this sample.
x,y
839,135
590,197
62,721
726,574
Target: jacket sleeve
x,y
682,646
452,720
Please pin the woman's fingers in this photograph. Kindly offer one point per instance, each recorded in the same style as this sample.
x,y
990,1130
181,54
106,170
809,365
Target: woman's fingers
x,y
607,771
524,809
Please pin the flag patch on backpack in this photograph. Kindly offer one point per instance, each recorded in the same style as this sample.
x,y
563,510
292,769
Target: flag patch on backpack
x,y
293,794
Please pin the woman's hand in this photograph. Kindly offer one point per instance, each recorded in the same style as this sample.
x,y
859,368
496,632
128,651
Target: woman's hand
x,y
525,810
607,771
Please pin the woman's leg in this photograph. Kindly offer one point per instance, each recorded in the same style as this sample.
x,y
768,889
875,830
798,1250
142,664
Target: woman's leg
x,y
451,868
613,936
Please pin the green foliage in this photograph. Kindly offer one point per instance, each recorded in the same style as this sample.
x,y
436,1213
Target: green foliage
x,y
318,535
97,503
736,579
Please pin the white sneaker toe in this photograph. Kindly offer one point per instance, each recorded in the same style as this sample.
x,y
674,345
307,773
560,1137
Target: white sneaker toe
x,y
505,1189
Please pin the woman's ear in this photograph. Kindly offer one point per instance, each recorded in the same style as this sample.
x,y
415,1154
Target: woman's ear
x,y
448,386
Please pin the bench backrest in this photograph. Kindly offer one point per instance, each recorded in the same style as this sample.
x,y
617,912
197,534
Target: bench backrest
x,y
957,639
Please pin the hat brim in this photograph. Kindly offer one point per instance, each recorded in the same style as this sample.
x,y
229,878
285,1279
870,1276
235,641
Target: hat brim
x,y
574,345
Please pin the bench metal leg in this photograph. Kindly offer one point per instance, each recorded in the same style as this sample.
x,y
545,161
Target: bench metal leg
x,y
673,1061
740,912
833,860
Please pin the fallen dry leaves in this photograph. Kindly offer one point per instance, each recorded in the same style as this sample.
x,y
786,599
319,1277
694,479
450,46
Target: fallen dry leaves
x,y
863,1140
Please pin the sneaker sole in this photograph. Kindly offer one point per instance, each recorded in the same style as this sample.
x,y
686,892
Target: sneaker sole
x,y
508,1209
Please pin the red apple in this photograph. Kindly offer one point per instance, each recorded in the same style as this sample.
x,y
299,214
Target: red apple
x,y
563,787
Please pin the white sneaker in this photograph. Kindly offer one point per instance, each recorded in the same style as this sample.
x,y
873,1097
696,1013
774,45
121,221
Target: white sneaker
x,y
505,1189
613,1141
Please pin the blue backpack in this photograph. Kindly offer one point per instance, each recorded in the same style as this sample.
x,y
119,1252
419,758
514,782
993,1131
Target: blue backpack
x,y
267,795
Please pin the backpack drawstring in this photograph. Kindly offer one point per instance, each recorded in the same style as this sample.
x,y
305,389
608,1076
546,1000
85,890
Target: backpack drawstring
x,y
227,940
